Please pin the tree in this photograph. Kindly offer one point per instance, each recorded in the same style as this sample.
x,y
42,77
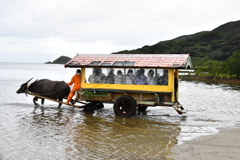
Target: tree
x,y
233,64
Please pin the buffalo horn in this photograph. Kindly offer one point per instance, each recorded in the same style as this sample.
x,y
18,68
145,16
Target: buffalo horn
x,y
29,80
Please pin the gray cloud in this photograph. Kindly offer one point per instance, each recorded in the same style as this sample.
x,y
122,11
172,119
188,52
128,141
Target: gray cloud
x,y
48,29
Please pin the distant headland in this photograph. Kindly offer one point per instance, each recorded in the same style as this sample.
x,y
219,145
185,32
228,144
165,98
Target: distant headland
x,y
60,60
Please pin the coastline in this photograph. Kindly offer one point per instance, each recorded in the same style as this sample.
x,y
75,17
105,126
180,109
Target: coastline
x,y
223,145
231,82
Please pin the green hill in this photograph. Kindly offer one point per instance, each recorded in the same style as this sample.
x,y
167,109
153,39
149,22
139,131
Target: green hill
x,y
218,44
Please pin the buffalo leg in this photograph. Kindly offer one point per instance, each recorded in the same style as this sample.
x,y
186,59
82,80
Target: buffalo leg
x,y
34,101
42,102
60,104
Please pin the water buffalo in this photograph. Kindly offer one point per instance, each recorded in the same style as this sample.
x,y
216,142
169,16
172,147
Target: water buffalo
x,y
51,89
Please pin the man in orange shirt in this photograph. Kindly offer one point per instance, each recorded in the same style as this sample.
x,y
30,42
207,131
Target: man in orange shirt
x,y
76,80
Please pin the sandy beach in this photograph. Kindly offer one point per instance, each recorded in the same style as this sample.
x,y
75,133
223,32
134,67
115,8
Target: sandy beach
x,y
224,145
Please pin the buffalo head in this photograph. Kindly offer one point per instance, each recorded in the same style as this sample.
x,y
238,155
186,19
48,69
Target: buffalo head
x,y
23,87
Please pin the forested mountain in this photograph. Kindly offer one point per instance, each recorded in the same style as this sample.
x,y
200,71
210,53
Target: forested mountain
x,y
218,44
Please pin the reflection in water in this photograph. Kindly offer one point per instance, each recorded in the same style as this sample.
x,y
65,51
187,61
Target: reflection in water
x,y
100,136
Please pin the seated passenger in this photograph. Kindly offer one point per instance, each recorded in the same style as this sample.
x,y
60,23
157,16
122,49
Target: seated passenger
x,y
91,78
141,79
109,79
99,76
163,80
151,78
118,79
130,77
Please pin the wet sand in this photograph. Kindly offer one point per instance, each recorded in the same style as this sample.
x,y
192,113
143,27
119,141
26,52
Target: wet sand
x,y
221,146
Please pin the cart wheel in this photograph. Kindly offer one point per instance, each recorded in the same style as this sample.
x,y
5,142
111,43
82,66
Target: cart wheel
x,y
125,106
99,105
89,108
142,108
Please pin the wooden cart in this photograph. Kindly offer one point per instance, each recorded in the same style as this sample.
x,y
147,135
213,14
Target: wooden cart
x,y
130,82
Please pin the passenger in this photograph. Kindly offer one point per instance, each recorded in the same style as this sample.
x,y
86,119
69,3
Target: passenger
x,y
141,79
99,76
151,78
119,78
109,79
163,80
130,77
76,80
91,78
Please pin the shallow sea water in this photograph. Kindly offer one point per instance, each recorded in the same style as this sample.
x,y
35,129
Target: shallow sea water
x,y
72,134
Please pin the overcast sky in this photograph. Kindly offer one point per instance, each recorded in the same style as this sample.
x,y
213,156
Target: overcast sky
x,y
42,30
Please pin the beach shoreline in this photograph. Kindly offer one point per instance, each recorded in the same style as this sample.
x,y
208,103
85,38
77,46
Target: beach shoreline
x,y
221,146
